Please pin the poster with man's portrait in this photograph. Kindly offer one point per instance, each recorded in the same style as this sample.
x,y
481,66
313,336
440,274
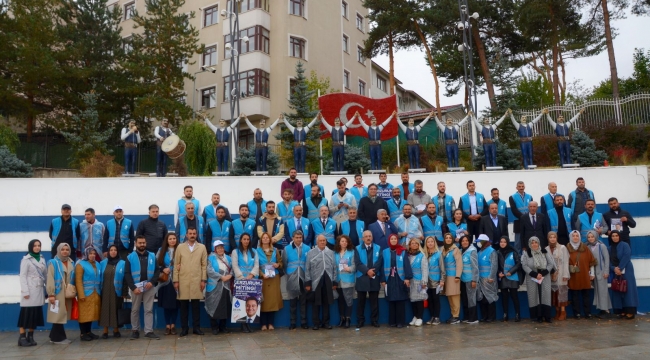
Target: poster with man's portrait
x,y
246,301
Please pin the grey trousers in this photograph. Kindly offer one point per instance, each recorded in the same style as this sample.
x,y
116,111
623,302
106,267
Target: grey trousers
x,y
136,300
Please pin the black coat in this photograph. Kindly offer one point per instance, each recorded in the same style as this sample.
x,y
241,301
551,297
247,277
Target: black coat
x,y
364,282
625,232
541,230
494,233
368,210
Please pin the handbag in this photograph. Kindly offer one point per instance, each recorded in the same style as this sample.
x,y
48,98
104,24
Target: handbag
x,y
70,291
123,316
74,313
163,278
574,269
619,284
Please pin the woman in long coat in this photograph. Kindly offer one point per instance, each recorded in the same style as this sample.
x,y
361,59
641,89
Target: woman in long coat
x,y
624,303
113,290
453,270
218,297
583,263
269,256
601,290
538,266
33,274
344,255
469,278
436,279
509,266
396,277
88,279
560,278
60,272
166,292
418,287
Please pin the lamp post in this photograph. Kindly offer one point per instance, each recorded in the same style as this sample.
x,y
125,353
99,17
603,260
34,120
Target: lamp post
x,y
465,26
204,68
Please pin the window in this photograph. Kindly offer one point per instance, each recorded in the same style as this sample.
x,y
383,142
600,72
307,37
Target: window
x,y
360,57
297,7
258,40
247,5
360,22
246,139
346,43
381,83
292,84
129,10
210,56
252,82
346,79
362,87
344,9
210,15
400,102
297,47
209,97
127,44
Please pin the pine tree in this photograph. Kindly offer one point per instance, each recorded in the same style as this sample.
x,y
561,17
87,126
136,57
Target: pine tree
x,y
583,151
355,159
506,157
84,135
11,166
299,102
246,163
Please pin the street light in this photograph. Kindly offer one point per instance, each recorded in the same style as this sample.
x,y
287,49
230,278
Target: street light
x,y
465,26
233,15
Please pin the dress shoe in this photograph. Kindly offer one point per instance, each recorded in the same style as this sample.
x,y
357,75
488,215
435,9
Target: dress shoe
x,y
292,327
505,318
87,337
315,327
197,331
94,336
105,336
399,326
577,317
540,320
135,335
360,324
223,330
342,322
392,325
548,320
184,332
517,318
375,324
327,326
245,328
215,331
304,326
347,323
589,316
116,334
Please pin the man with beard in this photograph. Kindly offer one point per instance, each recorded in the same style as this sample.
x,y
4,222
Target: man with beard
x,y
494,225
358,190
313,180
219,229
270,223
519,206
63,229
560,220
139,267
444,203
502,207
405,187
352,227
256,206
314,202
432,223
369,205
578,198
618,219
210,211
190,277
294,184
396,205
474,206
419,199
297,222
91,233
341,202
119,232
590,220
240,226
189,220
322,225
408,226
153,229
285,207
188,197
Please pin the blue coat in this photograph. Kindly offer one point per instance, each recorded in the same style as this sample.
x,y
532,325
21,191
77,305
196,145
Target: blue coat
x,y
624,255
378,236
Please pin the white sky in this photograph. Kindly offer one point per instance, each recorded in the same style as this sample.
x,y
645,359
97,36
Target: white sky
x,y
412,69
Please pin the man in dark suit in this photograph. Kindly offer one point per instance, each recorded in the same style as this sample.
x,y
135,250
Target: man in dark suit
x,y
494,225
369,260
251,312
534,224
369,205
381,229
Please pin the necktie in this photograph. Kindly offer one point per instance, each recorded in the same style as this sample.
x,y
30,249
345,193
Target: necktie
x,y
534,221
250,321
299,226
383,228
324,224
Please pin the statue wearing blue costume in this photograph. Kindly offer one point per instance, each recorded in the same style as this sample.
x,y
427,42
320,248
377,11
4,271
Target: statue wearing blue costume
x,y
261,142
412,143
338,142
562,132
525,132
222,133
488,133
450,134
299,141
374,137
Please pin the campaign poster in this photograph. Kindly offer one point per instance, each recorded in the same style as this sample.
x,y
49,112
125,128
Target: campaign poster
x,y
246,301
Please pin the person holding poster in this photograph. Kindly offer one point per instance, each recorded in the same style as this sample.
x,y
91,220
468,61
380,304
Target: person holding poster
x,y
294,257
270,274
246,267
246,303
320,276
217,294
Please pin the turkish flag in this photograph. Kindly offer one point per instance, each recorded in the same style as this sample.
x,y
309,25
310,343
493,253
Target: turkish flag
x,y
345,105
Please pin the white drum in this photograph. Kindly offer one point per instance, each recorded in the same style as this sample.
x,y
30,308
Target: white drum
x,y
173,146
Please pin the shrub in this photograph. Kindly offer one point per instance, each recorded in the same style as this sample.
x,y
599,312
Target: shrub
x,y
101,165
510,159
611,138
355,159
8,137
201,148
583,151
545,152
623,155
11,166
246,163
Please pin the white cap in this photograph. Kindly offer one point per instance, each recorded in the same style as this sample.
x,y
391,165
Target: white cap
x,y
483,237
217,243
117,207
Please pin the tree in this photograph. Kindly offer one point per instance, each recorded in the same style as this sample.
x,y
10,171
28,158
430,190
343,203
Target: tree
x,y
11,166
167,41
638,82
84,135
318,85
8,137
356,159
641,7
200,153
300,102
506,157
246,163
583,151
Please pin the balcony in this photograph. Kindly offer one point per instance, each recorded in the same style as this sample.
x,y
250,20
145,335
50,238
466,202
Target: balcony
x,y
249,19
255,107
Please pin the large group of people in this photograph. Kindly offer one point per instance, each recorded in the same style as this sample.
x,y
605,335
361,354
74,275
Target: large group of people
x,y
410,245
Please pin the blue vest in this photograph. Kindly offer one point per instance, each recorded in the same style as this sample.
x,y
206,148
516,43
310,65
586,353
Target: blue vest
x,y
484,263
346,277
181,207
304,224
399,262
211,213
501,206
401,189
411,134
263,261
431,229
284,212
449,203
299,135
508,263
548,201
363,256
97,232
312,210
466,276
124,232
453,228
434,266
92,278
135,266
586,225
293,262
345,228
395,211
56,229
245,266
252,209
220,232
480,200
261,136
214,263
522,203
57,267
183,228
451,133
308,191
552,217
118,280
222,135
450,264
241,228
374,134
131,139
385,191
416,266
162,132
338,135
525,131
487,132
328,231
573,198
561,129
359,194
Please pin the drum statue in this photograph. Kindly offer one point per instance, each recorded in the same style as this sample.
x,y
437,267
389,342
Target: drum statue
x,y
161,133
173,146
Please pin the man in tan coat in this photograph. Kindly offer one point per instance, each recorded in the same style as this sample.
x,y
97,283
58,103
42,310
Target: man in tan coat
x,y
190,278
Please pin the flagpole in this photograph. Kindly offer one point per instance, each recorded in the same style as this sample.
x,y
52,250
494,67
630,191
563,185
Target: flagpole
x,y
320,140
397,119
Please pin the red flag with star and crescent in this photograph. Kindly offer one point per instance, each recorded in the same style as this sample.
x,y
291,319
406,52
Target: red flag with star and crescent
x,y
345,105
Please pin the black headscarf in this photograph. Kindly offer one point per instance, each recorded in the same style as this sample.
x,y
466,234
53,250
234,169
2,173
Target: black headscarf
x,y
506,250
30,249
113,260
613,256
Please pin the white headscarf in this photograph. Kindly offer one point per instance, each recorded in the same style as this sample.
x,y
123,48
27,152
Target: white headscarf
x,y
574,244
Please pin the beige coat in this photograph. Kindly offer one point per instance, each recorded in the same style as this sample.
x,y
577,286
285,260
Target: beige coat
x,y
190,270
65,305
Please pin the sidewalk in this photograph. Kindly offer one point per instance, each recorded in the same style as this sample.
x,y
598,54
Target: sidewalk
x,y
571,339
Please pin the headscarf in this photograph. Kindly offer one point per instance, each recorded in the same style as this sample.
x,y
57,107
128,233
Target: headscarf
x,y
538,257
58,252
552,246
113,260
87,253
506,250
444,243
397,248
575,246
595,234
613,254
30,249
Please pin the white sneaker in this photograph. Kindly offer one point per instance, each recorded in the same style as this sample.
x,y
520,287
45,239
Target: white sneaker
x,y
413,321
418,322
430,322
62,342
473,322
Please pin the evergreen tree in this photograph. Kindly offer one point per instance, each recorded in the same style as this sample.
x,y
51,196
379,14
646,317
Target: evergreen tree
x,y
167,41
583,151
8,137
246,163
11,166
355,160
300,102
506,157
84,135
